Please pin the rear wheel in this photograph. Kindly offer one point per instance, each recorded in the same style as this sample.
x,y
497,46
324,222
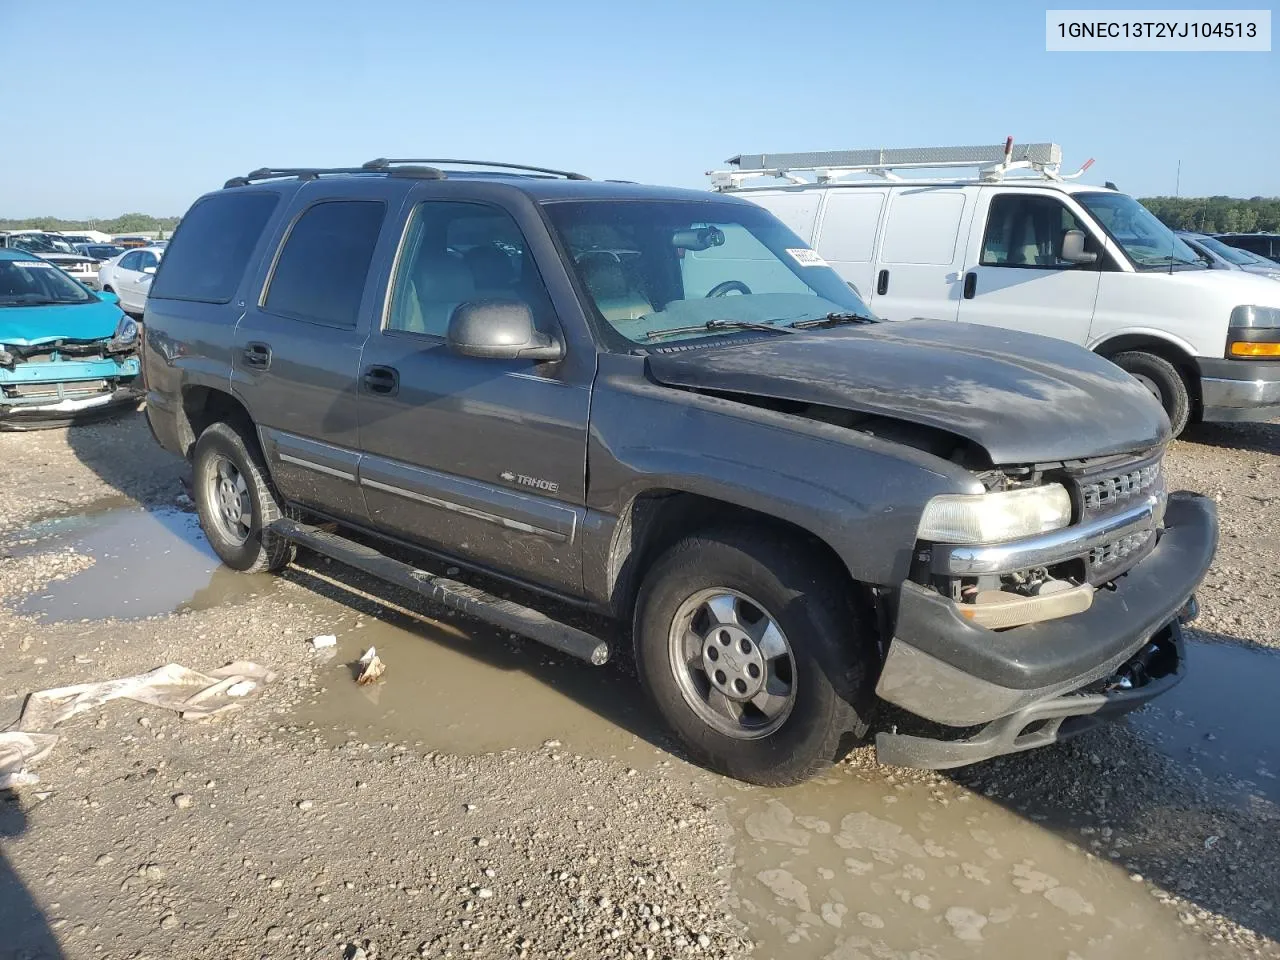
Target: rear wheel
x,y
754,654
1163,380
235,501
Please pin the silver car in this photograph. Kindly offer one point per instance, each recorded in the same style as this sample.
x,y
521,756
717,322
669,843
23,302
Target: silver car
x,y
1222,256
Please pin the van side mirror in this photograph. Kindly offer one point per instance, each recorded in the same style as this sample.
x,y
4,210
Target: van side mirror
x,y
499,330
1073,250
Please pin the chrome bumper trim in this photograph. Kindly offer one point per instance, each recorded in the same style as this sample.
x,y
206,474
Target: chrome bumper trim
x,y
968,560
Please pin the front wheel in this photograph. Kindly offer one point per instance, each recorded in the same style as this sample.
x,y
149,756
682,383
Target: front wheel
x,y
1163,380
235,501
755,655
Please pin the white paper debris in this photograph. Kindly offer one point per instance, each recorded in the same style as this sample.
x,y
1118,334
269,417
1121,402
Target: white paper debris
x,y
373,667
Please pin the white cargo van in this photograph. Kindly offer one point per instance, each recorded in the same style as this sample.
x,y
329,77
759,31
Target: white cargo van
x,y
1022,245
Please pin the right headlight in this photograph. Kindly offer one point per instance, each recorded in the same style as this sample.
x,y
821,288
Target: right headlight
x,y
995,517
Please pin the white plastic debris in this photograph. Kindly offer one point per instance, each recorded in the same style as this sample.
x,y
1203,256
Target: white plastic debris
x,y
324,640
193,695
373,668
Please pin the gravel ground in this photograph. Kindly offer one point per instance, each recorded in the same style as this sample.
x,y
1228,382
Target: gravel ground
x,y
268,833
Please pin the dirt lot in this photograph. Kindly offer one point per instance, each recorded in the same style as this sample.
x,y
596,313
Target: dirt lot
x,y
491,799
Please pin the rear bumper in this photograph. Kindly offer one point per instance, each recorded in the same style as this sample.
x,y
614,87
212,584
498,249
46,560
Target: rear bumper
x,y
1239,390
949,671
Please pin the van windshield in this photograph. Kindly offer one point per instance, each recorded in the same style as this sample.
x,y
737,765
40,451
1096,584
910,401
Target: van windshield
x,y
1147,241
677,269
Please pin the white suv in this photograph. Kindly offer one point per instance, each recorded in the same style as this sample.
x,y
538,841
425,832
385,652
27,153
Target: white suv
x,y
1037,253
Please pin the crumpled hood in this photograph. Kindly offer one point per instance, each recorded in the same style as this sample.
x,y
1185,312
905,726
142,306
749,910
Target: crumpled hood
x,y
27,326
1023,398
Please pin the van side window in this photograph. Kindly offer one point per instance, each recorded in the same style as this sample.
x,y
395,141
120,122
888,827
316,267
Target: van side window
x,y
1025,230
207,255
322,266
458,252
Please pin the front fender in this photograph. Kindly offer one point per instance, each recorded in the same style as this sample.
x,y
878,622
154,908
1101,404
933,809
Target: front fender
x,y
860,495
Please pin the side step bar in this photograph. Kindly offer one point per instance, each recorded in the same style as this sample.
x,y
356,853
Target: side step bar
x,y
460,596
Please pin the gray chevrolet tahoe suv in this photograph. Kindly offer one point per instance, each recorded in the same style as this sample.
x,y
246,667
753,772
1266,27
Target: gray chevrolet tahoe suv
x,y
660,405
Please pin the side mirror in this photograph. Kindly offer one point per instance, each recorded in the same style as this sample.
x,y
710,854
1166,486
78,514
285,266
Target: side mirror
x,y
499,330
107,296
1073,250
148,269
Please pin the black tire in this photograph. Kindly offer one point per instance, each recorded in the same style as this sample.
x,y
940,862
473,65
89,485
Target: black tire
x,y
259,550
1164,376
829,641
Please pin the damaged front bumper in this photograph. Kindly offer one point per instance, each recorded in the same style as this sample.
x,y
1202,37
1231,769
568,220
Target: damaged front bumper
x,y
32,393
1033,685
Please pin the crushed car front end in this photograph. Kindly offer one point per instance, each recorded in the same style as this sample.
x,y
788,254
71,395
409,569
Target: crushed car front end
x,y
1013,644
66,353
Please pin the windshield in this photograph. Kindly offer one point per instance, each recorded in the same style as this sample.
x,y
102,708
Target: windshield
x,y
1233,254
1147,241
103,251
30,283
40,243
655,266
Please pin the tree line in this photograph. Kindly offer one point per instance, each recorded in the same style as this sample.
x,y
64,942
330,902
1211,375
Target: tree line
x,y
1217,214
125,223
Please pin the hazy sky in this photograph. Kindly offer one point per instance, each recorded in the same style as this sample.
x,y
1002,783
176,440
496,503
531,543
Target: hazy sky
x,y
143,106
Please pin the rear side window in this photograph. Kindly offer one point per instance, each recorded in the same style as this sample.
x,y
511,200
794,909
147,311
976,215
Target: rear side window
x,y
924,225
212,246
320,273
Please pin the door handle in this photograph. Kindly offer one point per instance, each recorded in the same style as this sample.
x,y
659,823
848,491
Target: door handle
x,y
882,283
257,355
382,380
970,284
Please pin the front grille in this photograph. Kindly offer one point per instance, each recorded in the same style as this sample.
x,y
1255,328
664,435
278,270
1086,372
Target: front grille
x,y
1101,495
1104,491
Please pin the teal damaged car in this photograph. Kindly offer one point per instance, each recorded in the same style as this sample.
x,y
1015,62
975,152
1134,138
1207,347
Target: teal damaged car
x,y
66,352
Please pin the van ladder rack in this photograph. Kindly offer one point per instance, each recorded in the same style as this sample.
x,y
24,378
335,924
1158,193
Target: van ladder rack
x,y
992,162
382,163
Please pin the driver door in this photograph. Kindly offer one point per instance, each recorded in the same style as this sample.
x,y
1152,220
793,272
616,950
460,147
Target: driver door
x,y
481,459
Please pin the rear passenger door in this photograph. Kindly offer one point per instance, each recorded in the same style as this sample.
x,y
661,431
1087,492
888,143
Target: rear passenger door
x,y
297,347
480,459
920,260
1017,278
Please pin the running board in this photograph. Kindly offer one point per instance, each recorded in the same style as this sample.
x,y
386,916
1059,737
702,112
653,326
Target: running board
x,y
460,596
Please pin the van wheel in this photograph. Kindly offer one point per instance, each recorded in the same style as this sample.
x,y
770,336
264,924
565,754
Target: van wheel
x,y
754,655
1163,380
235,501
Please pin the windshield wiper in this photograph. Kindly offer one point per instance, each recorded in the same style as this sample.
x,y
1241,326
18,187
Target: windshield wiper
x,y
832,320
718,325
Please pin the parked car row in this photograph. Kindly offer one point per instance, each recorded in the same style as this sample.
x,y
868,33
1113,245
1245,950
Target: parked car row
x,y
671,408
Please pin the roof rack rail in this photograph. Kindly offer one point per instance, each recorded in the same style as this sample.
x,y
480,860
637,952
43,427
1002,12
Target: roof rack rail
x,y
382,163
311,173
992,163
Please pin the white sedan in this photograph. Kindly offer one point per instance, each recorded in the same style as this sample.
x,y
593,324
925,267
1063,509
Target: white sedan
x,y
129,275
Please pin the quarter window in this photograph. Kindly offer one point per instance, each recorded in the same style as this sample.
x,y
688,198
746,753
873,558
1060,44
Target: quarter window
x,y
458,252
1025,230
321,271
208,254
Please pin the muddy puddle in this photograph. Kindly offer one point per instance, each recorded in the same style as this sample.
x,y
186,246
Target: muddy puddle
x,y
1222,719
146,562
464,688
857,866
